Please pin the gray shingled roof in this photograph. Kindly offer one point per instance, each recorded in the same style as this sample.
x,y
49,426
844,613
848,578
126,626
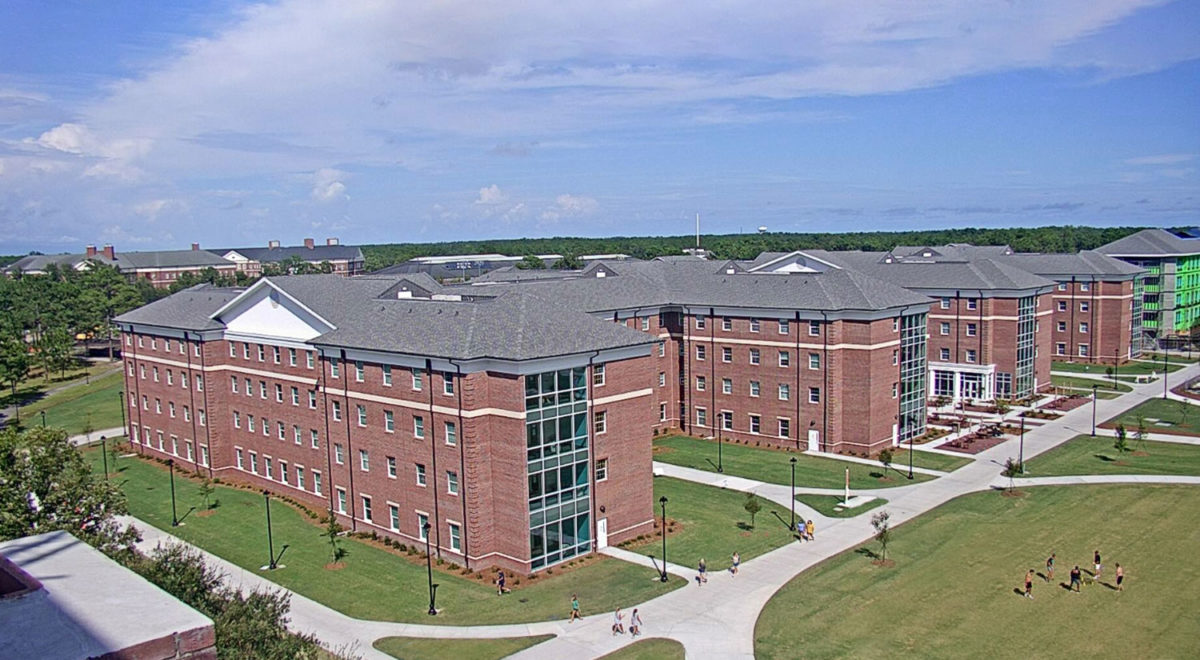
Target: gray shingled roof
x,y
1084,264
169,259
188,309
974,274
316,253
1151,243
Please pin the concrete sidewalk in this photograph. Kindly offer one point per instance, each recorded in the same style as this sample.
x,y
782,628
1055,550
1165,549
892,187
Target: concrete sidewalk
x,y
94,436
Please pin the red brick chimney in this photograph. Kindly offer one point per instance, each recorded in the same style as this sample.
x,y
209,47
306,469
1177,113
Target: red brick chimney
x,y
331,241
91,250
195,247
308,243
109,252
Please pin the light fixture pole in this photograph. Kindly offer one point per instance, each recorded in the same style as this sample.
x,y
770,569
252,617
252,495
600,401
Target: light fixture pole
x,y
104,454
174,517
124,428
663,502
720,443
1094,410
1164,373
1021,444
429,569
793,502
910,449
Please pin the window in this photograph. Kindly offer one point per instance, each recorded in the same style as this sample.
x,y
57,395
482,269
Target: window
x,y
945,303
701,383
275,354
447,383
451,433
339,454
1083,306
360,372
312,399
238,455
420,474
755,388
158,406
389,421
944,328
662,379
699,322
418,426
701,417
155,373
894,390
292,362
187,414
645,323
278,393
297,436
387,375
971,356
416,380
726,386
315,438
598,375
662,349
701,351
944,355
283,471
1085,286
451,482
364,460
262,355
726,324
393,517
1062,305
1062,326
203,455
971,330
391,467
754,325
814,360
1083,350
1062,286
895,325
145,403
785,358
1083,327
726,354
308,362
727,420
300,477
254,462
814,328
814,395
455,538
755,423
601,469
142,371
337,410
662,412
895,356
600,422
249,387
785,392
316,482
171,408
201,418
262,389
785,428
362,415
295,396
170,378
341,500
334,369
784,327
281,430
972,303
755,356
1060,348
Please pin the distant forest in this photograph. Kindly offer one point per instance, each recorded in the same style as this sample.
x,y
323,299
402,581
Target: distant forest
x,y
748,246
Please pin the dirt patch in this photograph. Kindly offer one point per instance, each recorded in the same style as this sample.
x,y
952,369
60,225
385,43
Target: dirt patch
x,y
1141,454
883,563
1013,493
1121,463
335,566
659,449
206,513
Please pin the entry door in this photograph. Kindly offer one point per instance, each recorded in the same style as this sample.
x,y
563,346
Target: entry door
x,y
814,440
602,533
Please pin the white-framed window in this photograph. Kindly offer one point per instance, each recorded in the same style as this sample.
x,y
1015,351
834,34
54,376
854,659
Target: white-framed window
x,y
600,422
755,388
450,432
701,383
1083,327
945,303
292,362
315,438
262,353
232,350
1062,286
1062,305
601,469
393,517
337,410
1060,348
420,474
155,369
814,395
339,454
814,360
1083,306
726,386
785,427
785,392
418,426
389,421
785,358
297,436
455,537
360,371
727,420
142,371
364,460
281,430
972,303
278,393
814,328
362,414
262,389
755,326
312,399
662,379
598,375
701,417
201,418
755,356
300,477
309,361
701,352
755,423
171,409
387,375
451,482
391,467
726,324
645,323
187,414
944,328
971,355
170,378
700,323
275,354
895,390
237,453
944,355
447,383
784,326
895,356
1083,350
726,354
295,396
896,325
316,482
254,462
972,330
204,455
158,406
283,471
417,383
335,369
662,349
1061,326
662,412
249,387
341,500
1085,286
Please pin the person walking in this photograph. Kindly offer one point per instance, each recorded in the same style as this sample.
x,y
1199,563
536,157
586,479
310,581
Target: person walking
x,y
1076,582
1029,584
702,572
1099,566
574,609
1050,567
618,626
635,623
809,529
500,582
737,560
1120,577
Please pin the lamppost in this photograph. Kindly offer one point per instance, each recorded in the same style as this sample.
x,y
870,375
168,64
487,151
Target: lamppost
x,y
793,462
1021,444
1094,409
908,418
1164,373
270,540
174,517
104,455
429,569
720,443
663,502
124,428
43,418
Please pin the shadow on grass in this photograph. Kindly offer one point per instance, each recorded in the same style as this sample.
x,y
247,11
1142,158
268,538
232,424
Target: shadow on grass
x,y
877,475
867,552
1106,459
1017,591
745,527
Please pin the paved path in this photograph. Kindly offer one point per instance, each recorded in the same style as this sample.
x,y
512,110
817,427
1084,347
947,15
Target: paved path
x,y
94,436
717,620
874,463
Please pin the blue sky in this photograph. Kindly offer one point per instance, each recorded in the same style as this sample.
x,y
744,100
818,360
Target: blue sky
x,y
153,125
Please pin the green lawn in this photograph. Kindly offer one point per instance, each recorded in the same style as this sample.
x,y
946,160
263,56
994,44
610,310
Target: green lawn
x,y
417,648
98,402
712,523
1183,417
831,505
375,584
1186,357
1086,384
1127,369
1087,455
772,466
951,594
926,459
649,649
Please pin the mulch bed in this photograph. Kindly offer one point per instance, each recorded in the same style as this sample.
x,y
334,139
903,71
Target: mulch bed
x,y
1072,403
968,445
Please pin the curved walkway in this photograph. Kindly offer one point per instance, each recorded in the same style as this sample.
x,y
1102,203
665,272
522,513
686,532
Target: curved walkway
x,y
718,620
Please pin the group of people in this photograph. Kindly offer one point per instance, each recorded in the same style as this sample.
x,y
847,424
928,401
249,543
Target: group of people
x,y
1076,575
635,623
804,530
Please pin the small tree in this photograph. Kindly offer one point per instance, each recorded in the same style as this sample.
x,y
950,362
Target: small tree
x,y
1184,408
1108,371
881,521
752,507
206,491
885,459
1012,467
1140,435
333,530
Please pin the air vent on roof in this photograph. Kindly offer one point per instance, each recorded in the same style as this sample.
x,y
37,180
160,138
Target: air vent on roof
x,y
600,273
927,254
404,293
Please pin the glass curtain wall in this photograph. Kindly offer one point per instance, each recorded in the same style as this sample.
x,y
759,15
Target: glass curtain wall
x,y
913,370
1026,325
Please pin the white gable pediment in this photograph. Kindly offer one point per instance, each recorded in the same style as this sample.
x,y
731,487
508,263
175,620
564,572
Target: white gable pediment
x,y
234,255
265,312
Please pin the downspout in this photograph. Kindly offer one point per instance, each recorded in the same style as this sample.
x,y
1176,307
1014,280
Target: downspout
x,y
800,428
204,398
321,385
349,444
1094,327
1071,328
684,361
591,431
137,394
957,328
979,335
192,400
431,435
712,375
825,381
462,464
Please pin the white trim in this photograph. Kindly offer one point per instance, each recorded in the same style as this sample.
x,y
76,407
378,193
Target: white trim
x,y
618,397
782,344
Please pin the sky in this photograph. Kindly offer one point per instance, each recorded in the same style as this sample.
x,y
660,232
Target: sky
x,y
152,125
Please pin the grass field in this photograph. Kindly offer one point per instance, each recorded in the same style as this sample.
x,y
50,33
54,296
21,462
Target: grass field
x,y
1183,417
830,505
1087,455
419,648
772,466
1106,386
649,649
712,523
951,594
927,459
98,403
374,584
1128,369
1187,358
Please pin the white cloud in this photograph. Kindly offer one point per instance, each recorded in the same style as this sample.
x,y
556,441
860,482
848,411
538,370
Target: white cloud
x,y
568,206
491,195
1161,159
328,186
150,209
